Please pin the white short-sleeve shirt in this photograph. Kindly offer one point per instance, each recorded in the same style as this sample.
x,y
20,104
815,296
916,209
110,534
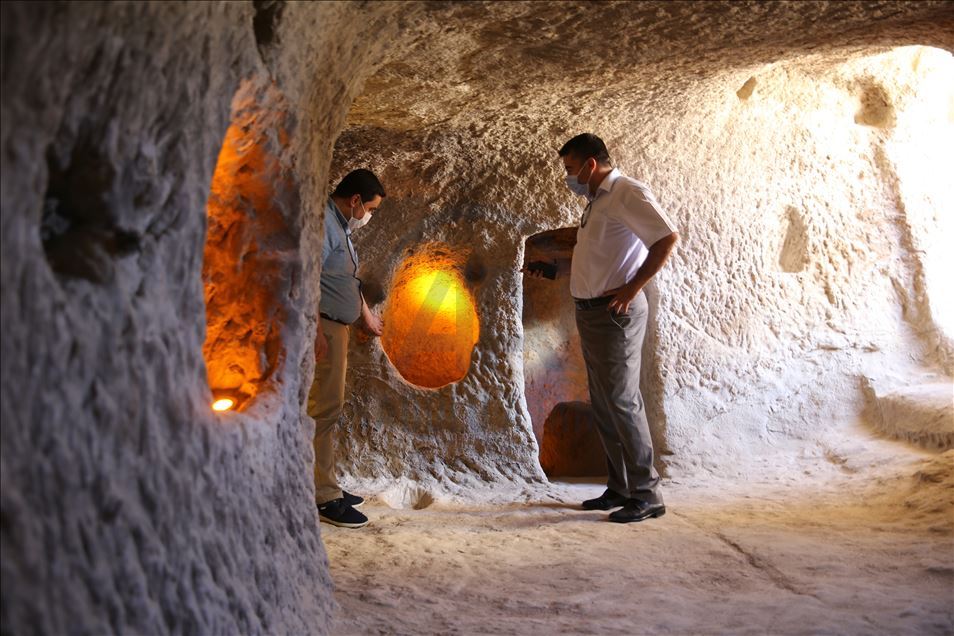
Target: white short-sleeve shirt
x,y
615,234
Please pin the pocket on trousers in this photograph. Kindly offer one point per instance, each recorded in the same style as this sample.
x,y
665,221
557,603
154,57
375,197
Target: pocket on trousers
x,y
621,320
638,308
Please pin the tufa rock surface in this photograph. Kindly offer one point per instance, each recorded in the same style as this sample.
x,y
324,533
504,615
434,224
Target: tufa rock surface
x,y
797,146
127,505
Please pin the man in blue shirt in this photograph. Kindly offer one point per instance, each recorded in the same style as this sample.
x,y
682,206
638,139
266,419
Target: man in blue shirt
x,y
349,207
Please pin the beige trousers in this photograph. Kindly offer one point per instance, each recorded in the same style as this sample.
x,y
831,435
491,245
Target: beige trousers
x,y
325,400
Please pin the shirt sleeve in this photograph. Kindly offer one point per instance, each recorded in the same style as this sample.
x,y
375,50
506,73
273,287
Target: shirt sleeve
x,y
327,244
643,216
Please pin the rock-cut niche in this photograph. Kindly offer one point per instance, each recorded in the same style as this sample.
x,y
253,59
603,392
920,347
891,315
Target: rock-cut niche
x,y
793,256
554,372
87,193
250,265
430,321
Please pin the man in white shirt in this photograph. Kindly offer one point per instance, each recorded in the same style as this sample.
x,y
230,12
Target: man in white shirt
x,y
623,240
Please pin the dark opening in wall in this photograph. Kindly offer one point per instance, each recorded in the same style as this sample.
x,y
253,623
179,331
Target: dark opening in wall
x,y
81,234
570,446
554,373
251,268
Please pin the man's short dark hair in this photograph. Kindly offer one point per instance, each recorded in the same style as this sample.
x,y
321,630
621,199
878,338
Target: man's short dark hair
x,y
361,181
584,146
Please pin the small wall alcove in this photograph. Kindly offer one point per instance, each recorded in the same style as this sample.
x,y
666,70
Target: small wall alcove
x,y
430,321
250,267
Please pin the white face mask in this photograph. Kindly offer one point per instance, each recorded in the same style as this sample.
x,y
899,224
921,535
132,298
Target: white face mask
x,y
573,183
354,224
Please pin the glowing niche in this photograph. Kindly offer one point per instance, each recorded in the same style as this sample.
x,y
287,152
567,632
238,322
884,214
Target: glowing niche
x,y
248,263
430,323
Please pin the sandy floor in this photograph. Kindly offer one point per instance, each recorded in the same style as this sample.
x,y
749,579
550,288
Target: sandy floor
x,y
833,551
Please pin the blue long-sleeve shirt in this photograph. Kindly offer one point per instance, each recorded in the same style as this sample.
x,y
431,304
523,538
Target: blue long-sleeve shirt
x,y
340,287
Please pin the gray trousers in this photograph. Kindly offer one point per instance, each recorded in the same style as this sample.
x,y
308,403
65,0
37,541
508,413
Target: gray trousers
x,y
612,346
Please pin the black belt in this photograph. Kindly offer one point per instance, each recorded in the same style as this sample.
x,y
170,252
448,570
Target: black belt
x,y
590,303
327,317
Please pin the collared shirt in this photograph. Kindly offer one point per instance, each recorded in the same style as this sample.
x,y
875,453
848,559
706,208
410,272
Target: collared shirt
x,y
340,287
616,231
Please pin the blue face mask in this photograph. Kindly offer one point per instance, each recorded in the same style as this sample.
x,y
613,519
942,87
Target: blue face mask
x,y
573,183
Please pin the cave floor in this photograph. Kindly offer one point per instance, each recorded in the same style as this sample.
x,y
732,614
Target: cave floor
x,y
808,554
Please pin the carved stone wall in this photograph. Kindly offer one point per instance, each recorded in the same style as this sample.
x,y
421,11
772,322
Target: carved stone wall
x,y
779,137
786,140
128,506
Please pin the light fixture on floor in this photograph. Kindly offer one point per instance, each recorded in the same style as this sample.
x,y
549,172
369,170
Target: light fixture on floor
x,y
223,404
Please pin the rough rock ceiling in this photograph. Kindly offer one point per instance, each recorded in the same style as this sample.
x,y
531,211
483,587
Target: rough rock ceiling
x,y
502,59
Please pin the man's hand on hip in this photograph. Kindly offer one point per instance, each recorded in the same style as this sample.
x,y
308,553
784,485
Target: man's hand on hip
x,y
658,254
622,299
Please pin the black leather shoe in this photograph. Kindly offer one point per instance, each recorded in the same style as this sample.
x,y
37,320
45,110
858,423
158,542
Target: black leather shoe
x,y
607,500
637,510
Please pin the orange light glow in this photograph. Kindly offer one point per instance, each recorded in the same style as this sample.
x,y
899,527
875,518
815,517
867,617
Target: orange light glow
x,y
223,404
430,324
244,268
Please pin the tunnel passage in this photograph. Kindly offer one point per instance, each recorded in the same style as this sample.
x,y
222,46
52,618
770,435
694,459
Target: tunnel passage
x,y
554,373
249,267
430,321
